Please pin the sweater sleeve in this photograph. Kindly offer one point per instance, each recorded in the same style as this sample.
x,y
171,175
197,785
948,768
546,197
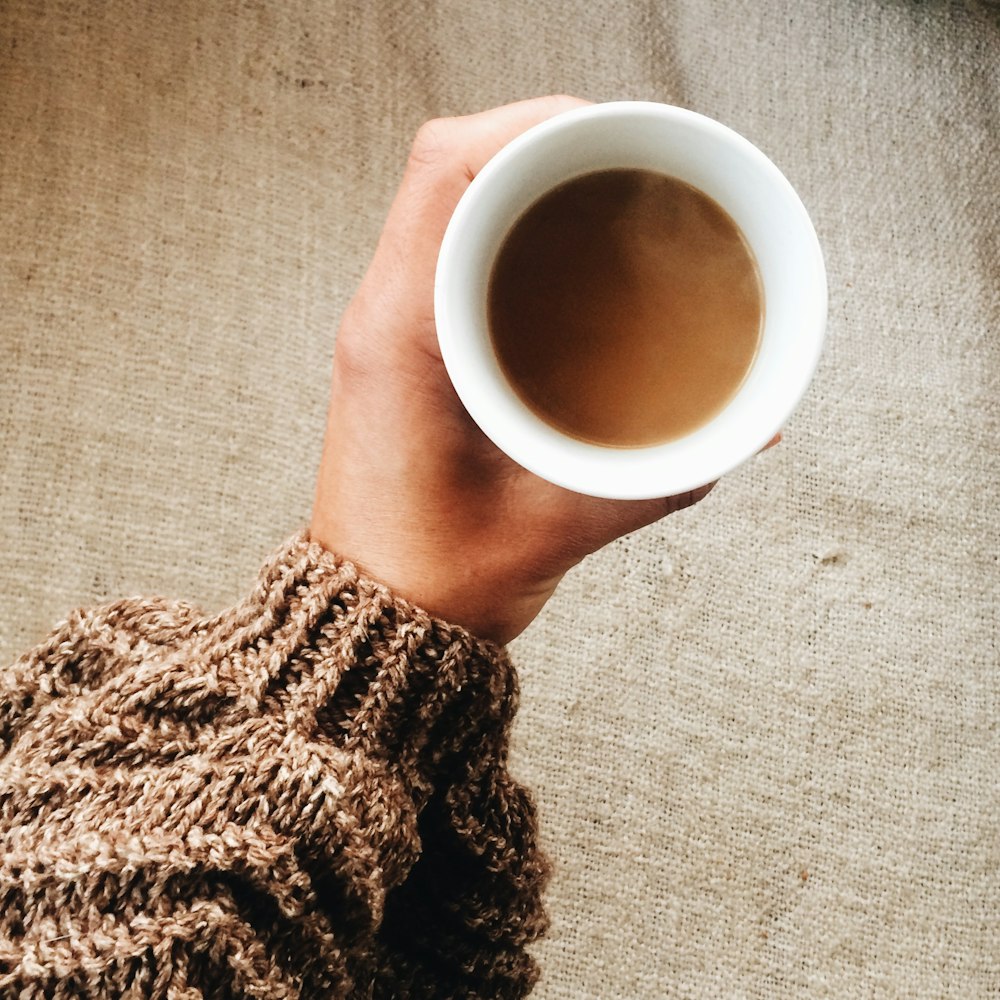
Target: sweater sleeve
x,y
304,796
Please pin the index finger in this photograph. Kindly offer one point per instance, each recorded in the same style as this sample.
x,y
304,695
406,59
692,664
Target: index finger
x,y
469,141
446,155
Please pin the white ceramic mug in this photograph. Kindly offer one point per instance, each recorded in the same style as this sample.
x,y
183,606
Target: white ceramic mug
x,y
710,157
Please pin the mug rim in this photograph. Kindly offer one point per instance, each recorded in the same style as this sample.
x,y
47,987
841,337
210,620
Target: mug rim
x,y
662,469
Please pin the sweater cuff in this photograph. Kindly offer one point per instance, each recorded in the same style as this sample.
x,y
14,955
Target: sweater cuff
x,y
373,672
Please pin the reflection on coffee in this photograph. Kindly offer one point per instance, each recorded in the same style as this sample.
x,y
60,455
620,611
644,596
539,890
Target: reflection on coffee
x,y
625,308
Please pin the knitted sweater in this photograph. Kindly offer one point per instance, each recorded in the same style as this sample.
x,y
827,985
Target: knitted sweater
x,y
304,796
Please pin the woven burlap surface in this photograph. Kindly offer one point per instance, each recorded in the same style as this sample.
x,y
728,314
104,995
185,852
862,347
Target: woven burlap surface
x,y
764,733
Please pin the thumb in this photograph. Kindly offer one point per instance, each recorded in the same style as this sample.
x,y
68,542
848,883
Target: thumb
x,y
638,513
606,520
619,517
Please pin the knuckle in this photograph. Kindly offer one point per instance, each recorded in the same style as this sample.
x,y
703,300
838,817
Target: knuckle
x,y
431,143
682,501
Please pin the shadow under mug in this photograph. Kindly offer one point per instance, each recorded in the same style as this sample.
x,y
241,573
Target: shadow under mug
x,y
705,154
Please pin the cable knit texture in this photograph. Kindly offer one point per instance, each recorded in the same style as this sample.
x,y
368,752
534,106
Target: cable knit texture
x,y
304,796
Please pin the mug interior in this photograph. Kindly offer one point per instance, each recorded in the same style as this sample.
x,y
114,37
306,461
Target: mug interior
x,y
710,157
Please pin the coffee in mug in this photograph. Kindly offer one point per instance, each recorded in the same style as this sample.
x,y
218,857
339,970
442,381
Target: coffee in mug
x,y
625,307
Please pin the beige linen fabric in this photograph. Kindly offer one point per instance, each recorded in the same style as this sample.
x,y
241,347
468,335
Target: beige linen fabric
x,y
764,733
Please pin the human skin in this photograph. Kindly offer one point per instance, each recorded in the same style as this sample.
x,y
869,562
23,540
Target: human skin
x,y
409,488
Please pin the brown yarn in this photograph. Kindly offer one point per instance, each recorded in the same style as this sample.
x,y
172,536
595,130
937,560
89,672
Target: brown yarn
x,y
304,796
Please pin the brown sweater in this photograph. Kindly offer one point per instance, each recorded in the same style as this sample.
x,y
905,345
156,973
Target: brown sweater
x,y
304,796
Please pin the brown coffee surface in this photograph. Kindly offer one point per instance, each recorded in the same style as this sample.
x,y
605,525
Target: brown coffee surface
x,y
625,307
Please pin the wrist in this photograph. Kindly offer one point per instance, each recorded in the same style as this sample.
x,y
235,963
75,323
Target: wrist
x,y
450,586
423,507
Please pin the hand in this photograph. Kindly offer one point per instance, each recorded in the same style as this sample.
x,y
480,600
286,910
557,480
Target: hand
x,y
409,488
